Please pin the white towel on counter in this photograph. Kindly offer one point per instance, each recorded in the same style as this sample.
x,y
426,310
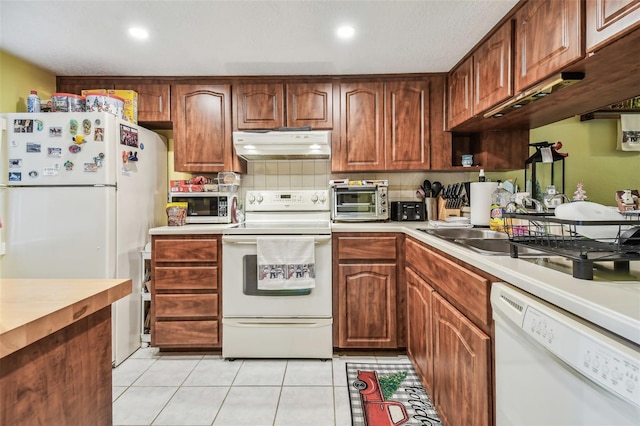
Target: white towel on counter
x,y
286,263
629,132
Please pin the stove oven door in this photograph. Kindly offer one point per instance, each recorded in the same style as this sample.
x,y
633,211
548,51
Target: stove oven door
x,y
241,297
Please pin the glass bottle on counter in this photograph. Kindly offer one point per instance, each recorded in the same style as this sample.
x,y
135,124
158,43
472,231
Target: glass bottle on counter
x,y
499,200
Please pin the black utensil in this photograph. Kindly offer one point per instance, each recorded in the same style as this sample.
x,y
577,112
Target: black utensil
x,y
436,187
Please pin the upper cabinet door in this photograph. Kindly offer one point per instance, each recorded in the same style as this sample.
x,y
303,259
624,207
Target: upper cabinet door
x,y
548,38
407,125
607,20
259,106
492,70
360,145
153,101
202,128
310,104
460,94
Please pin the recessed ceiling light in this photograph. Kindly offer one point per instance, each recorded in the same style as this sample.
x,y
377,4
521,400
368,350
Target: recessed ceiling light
x,y
345,31
139,33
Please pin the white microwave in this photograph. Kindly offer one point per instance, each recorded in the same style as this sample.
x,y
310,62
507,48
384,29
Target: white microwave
x,y
208,207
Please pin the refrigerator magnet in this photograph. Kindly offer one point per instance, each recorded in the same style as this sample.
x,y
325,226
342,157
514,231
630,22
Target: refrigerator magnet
x,y
74,149
15,176
133,156
73,127
99,159
78,139
128,136
33,174
39,125
15,163
33,147
90,167
23,126
55,132
68,165
50,171
98,135
54,152
86,126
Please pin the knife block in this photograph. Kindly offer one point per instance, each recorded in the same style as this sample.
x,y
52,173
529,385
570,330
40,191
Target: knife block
x,y
444,212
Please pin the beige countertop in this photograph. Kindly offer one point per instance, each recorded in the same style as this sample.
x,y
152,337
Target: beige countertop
x,y
31,309
609,303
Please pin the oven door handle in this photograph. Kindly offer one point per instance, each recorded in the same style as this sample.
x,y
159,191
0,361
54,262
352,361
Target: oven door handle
x,y
227,239
263,324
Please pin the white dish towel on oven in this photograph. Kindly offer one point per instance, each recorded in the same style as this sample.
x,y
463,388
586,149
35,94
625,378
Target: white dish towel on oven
x,y
286,263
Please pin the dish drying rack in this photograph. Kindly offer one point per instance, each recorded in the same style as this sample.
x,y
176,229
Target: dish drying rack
x,y
619,242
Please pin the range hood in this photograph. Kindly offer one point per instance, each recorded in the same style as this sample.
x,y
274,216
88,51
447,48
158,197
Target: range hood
x,y
539,91
283,145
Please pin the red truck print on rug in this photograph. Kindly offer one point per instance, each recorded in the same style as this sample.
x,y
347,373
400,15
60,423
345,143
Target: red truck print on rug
x,y
377,411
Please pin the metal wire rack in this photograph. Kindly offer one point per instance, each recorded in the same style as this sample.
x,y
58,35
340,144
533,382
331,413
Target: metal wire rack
x,y
584,242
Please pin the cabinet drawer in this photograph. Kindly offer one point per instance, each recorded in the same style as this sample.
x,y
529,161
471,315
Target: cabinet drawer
x,y
186,305
180,250
467,290
367,248
186,334
185,278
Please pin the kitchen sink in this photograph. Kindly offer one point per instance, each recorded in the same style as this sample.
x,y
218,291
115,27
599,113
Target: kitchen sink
x,y
483,241
466,234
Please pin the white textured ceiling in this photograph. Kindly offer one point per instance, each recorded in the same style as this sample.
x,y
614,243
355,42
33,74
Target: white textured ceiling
x,y
209,38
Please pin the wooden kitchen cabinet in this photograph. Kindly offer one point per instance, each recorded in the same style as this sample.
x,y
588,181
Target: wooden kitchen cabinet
x,y
460,94
492,65
449,337
185,294
483,80
202,133
154,101
267,105
153,98
548,37
407,137
462,367
366,291
384,126
608,20
310,104
259,105
419,327
359,146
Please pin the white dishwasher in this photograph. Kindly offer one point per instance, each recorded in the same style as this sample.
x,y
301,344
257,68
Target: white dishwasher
x,y
553,368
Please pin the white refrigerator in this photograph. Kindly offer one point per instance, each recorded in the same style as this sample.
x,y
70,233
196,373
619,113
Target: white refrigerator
x,y
79,193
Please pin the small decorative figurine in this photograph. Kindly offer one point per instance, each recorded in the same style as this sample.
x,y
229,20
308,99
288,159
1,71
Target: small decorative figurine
x,y
580,194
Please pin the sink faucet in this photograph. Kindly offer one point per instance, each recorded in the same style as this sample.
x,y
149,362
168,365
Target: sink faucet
x,y
539,206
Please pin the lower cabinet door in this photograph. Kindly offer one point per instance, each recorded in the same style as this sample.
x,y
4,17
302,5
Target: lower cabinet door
x,y
367,306
419,327
462,368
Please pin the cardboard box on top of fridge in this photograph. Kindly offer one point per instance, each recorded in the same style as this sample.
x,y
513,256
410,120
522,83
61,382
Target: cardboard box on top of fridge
x,y
130,98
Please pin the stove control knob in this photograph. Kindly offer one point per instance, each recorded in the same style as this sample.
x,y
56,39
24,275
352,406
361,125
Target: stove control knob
x,y
260,198
252,198
323,198
314,198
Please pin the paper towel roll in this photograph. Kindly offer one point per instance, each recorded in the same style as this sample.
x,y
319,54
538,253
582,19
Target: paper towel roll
x,y
481,202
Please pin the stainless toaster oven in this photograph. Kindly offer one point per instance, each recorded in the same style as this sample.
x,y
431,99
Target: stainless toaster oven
x,y
359,201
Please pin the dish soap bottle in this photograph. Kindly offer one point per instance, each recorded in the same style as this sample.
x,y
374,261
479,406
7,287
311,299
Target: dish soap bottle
x,y
499,200
33,102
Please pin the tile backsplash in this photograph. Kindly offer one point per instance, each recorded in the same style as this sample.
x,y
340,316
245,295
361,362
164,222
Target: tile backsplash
x,y
316,174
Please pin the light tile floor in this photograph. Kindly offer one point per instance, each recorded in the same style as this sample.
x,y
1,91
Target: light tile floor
x,y
150,388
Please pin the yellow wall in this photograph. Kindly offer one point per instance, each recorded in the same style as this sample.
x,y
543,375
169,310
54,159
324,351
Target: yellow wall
x,y
593,158
18,78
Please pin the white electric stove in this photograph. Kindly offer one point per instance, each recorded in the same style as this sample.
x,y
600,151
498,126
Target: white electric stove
x,y
284,323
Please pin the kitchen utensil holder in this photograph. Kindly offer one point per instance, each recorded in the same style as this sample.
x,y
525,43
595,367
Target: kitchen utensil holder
x,y
561,237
